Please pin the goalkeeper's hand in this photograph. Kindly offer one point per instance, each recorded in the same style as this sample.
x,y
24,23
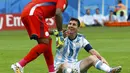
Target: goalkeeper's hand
x,y
55,32
59,42
59,38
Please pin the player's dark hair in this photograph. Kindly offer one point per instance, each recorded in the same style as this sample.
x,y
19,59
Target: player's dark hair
x,y
75,19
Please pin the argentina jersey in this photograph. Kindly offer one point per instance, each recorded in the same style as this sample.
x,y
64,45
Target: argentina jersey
x,y
69,52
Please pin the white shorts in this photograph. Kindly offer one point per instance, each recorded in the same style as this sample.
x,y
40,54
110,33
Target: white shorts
x,y
74,66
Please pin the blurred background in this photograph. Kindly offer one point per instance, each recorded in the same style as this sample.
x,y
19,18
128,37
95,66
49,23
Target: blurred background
x,y
76,9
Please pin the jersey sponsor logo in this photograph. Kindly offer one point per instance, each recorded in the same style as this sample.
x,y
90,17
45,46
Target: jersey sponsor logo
x,y
77,43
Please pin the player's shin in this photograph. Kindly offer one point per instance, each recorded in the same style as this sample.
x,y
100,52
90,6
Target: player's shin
x,y
33,54
49,58
102,66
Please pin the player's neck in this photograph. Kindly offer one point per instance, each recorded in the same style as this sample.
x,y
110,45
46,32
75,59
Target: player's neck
x,y
72,37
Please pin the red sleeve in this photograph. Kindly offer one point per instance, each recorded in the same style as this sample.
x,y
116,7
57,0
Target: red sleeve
x,y
62,4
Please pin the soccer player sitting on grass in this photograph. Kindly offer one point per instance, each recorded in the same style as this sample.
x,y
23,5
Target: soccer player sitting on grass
x,y
66,57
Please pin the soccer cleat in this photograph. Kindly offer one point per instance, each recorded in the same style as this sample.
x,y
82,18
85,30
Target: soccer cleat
x,y
116,69
16,68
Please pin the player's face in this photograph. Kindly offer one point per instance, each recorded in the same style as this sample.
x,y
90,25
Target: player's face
x,y
73,27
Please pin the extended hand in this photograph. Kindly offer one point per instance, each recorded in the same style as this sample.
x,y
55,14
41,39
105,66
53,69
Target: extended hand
x,y
59,42
59,38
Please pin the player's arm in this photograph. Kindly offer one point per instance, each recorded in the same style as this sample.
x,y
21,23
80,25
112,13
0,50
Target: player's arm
x,y
92,51
58,19
60,7
58,16
96,53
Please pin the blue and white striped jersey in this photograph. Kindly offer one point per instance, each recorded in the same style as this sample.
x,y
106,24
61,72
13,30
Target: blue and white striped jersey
x,y
69,52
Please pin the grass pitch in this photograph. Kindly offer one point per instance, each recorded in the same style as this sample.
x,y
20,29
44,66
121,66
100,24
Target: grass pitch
x,y
113,43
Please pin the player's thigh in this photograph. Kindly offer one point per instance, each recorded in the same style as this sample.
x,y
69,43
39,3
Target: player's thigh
x,y
85,64
35,25
75,66
57,66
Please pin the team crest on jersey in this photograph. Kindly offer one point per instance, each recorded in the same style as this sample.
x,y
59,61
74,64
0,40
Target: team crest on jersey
x,y
77,44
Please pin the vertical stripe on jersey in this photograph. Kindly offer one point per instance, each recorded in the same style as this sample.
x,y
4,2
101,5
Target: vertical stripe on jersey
x,y
76,52
71,52
65,48
77,48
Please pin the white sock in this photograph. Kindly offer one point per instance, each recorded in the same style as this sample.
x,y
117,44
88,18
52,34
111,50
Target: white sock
x,y
102,66
18,65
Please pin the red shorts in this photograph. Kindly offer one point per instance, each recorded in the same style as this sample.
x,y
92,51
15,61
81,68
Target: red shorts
x,y
35,26
33,18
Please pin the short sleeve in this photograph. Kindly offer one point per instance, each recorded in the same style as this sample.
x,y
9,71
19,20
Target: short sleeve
x,y
62,4
85,42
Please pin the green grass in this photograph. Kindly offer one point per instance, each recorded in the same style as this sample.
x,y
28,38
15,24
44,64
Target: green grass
x,y
112,42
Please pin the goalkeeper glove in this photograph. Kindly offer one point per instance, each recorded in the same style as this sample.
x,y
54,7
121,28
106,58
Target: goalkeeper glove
x,y
55,32
59,43
59,38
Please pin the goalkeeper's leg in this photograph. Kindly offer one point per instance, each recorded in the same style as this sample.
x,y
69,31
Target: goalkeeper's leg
x,y
49,58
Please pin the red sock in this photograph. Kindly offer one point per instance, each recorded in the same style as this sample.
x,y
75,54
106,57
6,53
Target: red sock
x,y
33,54
22,62
49,57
